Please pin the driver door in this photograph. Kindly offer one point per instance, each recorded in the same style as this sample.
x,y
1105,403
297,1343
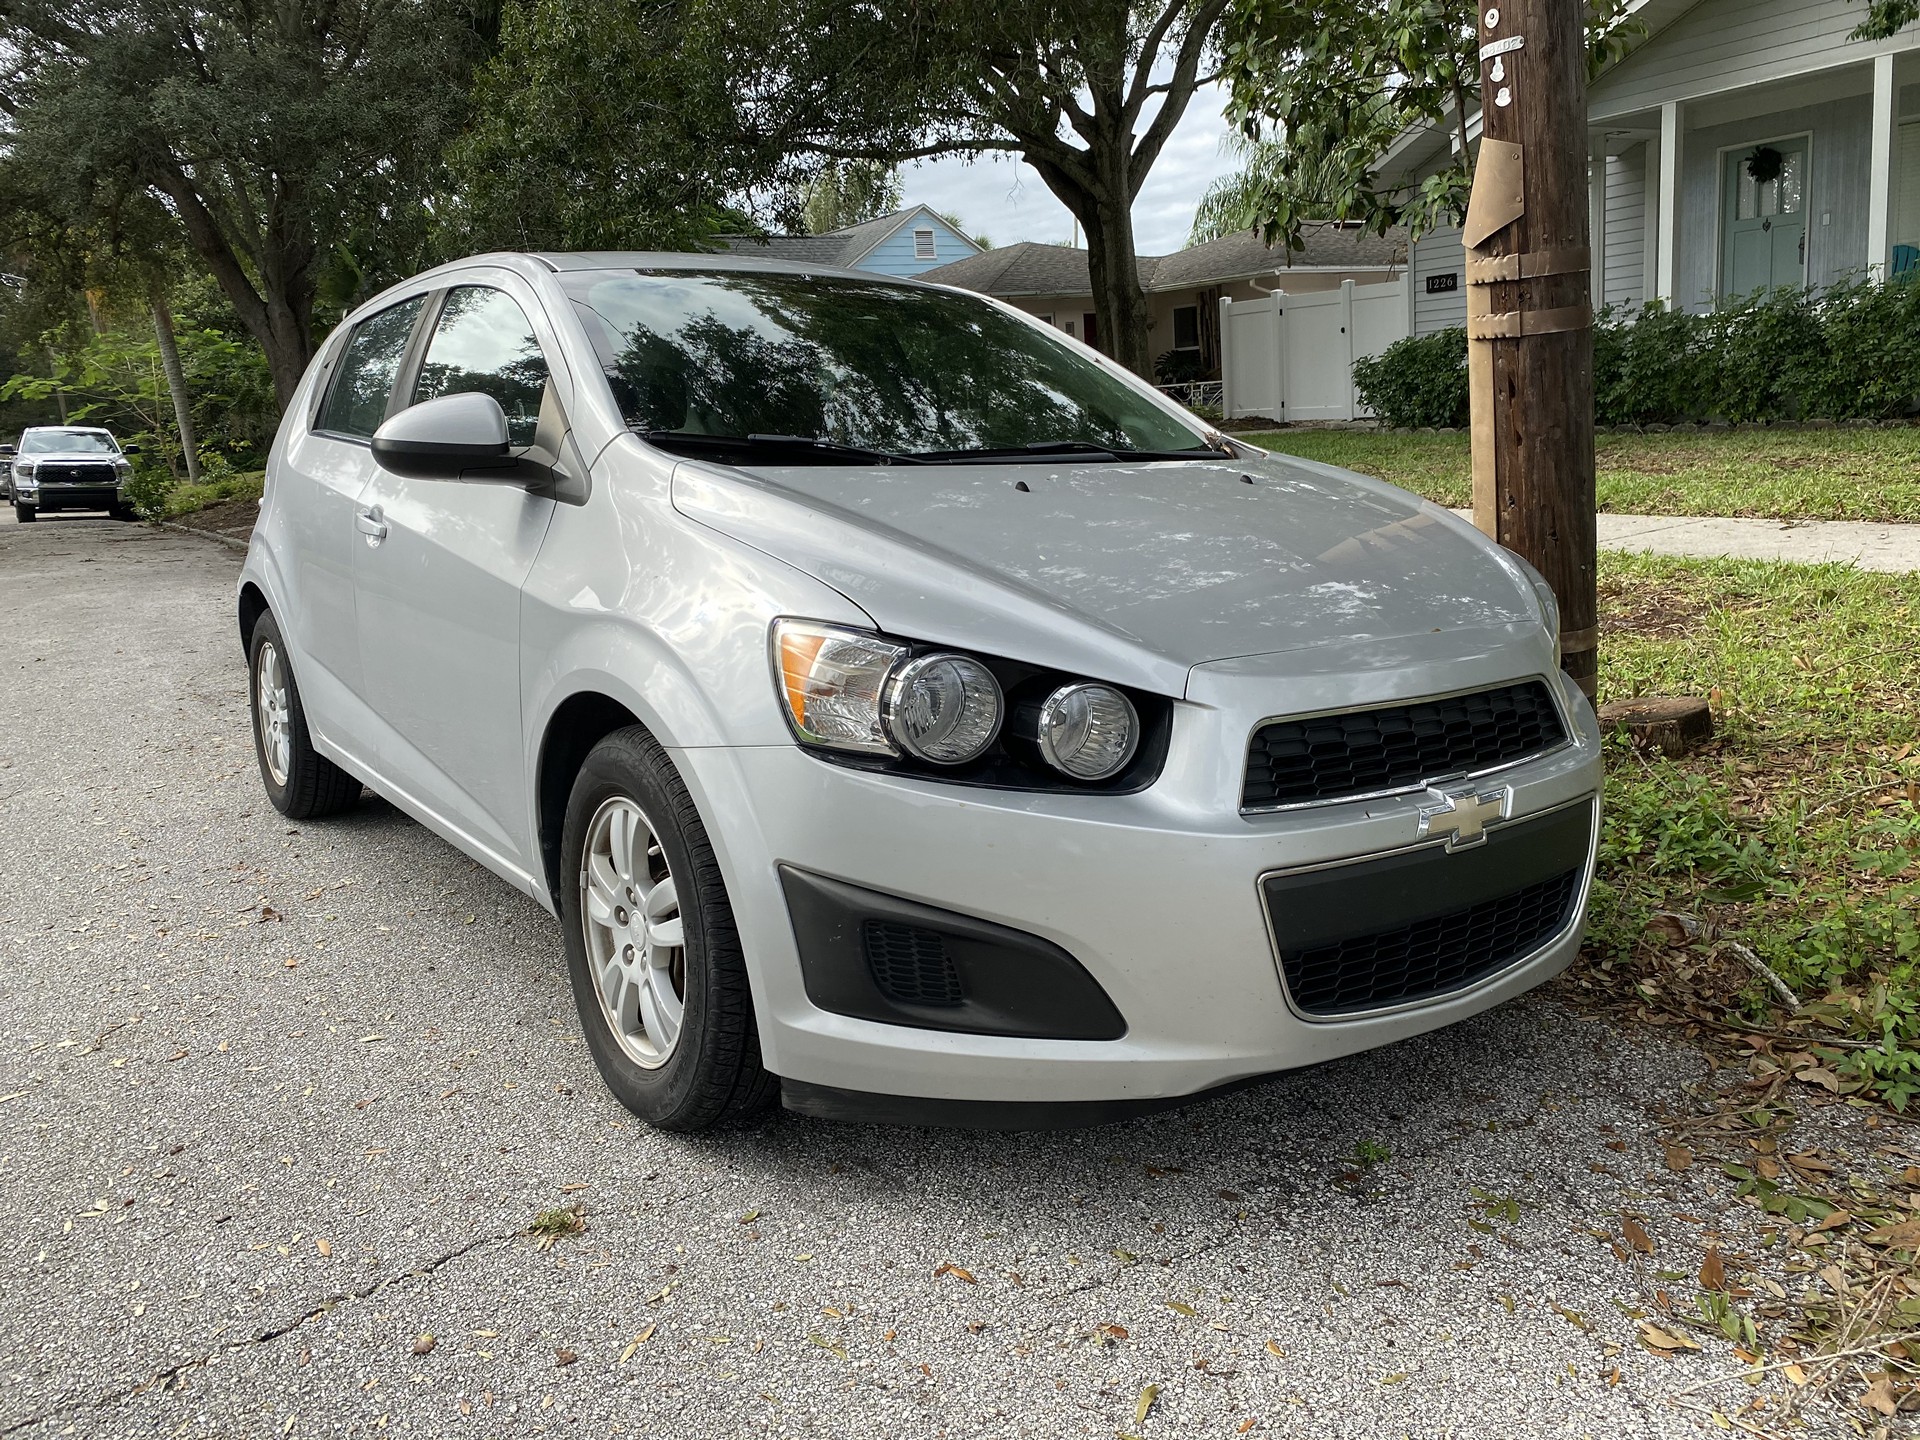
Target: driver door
x,y
438,576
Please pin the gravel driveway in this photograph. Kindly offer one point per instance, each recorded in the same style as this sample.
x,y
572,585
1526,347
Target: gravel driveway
x,y
277,1101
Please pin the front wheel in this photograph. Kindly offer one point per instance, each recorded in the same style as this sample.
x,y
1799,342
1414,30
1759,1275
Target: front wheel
x,y
656,964
121,510
300,781
25,514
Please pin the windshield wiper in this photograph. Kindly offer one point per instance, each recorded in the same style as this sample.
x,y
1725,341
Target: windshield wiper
x,y
667,439
1046,449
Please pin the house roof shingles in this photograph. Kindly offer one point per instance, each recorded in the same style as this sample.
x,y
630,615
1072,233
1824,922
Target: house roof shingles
x,y
840,247
1029,268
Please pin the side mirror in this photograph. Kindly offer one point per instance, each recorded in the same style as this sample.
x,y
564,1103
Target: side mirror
x,y
132,447
446,438
6,452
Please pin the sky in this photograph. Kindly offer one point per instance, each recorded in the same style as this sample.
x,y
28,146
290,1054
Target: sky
x,y
1006,199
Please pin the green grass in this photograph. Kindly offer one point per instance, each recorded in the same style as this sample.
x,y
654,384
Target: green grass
x,y
1796,833
1785,475
185,499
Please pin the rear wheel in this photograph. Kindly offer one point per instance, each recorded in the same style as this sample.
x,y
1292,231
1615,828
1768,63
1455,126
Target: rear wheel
x,y
25,514
300,781
658,975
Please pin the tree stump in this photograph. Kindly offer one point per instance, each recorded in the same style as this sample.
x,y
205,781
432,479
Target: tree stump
x,y
1673,726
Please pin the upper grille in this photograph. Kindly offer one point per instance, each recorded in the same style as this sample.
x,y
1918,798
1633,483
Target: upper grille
x,y
1429,957
911,966
78,474
1294,762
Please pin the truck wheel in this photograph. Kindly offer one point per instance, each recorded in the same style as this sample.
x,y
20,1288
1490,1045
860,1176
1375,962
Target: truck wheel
x,y
25,514
658,975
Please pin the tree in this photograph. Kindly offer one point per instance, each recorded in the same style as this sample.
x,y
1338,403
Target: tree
x,y
1331,84
276,137
849,192
603,125
1239,202
1086,91
1885,17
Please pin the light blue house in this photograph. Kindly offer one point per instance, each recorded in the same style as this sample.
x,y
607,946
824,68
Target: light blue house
x,y
905,243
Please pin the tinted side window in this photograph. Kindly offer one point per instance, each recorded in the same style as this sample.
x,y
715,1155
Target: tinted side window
x,y
483,342
357,401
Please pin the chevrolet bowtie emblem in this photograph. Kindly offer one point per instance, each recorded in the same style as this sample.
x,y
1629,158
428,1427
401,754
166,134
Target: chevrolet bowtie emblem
x,y
1464,815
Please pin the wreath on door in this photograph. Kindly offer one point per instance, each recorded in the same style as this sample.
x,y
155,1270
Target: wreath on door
x,y
1764,164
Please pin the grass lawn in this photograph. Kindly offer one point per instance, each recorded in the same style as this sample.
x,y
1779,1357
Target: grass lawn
x,y
1786,475
186,499
1796,832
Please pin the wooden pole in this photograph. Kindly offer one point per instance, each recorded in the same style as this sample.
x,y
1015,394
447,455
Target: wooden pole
x,y
1530,318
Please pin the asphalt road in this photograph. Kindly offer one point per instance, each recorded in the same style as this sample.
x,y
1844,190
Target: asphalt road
x,y
276,1100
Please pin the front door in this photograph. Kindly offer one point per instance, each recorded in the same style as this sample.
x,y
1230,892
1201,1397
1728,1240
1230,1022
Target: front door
x,y
438,585
1764,202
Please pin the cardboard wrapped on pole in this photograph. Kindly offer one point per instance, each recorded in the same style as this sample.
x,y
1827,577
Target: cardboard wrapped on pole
x,y
1499,198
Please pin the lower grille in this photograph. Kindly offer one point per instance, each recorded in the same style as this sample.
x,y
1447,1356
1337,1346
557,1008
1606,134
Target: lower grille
x,y
911,966
1430,957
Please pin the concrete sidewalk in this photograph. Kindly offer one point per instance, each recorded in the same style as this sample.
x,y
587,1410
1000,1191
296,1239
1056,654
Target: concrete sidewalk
x,y
1894,548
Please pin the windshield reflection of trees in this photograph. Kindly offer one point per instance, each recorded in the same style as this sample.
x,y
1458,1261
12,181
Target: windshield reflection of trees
x,y
872,365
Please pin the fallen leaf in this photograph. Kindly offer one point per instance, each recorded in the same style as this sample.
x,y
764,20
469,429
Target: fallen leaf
x,y
564,1356
424,1344
1109,1334
825,1344
1147,1396
1654,1338
634,1344
1679,1157
749,1217
1273,1349
949,1268
1880,1397
1179,1307
1246,1425
325,1247
1795,1373
1713,1270
1636,1235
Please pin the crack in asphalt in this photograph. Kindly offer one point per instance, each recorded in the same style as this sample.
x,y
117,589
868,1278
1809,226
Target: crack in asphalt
x,y
165,1379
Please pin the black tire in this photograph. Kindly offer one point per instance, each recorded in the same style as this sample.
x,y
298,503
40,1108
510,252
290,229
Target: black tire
x,y
711,1074
310,785
120,510
25,514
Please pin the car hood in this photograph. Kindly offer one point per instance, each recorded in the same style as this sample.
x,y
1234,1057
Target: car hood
x,y
69,457
1152,567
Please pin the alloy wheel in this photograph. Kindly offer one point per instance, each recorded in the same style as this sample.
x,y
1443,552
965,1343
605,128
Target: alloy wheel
x,y
635,935
270,705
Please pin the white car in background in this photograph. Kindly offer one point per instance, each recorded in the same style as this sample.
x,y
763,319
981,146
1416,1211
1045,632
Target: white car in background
x,y
905,710
67,467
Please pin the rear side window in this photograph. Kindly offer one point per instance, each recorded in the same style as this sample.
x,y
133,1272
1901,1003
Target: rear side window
x,y
357,401
483,342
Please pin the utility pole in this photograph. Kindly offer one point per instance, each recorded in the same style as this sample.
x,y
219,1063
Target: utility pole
x,y
1529,307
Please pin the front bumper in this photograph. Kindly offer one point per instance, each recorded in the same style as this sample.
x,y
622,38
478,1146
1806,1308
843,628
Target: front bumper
x,y
1158,895
61,496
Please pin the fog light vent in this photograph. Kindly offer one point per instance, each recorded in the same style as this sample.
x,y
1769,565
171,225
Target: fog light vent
x,y
911,966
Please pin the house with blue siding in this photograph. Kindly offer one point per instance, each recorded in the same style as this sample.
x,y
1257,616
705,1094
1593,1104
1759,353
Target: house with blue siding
x,y
906,243
1739,145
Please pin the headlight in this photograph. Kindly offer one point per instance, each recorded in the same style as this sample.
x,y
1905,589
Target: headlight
x,y
1088,731
943,708
123,465
23,469
831,680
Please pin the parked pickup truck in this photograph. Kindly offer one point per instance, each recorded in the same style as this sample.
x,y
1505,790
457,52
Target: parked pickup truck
x,y
67,467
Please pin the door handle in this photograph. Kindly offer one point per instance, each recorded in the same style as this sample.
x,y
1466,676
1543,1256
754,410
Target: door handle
x,y
371,524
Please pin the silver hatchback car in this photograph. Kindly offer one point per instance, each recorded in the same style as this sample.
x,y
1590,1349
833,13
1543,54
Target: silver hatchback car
x,y
906,711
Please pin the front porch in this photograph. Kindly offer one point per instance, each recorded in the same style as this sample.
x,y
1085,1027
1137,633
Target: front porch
x,y
1747,171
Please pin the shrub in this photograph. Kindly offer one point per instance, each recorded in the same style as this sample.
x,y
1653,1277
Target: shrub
x,y
1648,366
1417,381
1178,367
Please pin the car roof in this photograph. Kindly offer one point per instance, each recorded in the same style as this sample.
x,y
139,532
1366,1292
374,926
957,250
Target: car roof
x,y
67,429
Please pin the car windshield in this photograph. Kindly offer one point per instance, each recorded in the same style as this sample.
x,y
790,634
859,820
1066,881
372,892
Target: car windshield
x,y
67,442
871,366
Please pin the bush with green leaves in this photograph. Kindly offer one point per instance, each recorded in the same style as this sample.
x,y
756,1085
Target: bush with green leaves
x,y
1417,382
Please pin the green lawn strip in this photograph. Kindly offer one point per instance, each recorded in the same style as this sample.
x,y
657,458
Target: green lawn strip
x,y
1784,475
183,500
1796,833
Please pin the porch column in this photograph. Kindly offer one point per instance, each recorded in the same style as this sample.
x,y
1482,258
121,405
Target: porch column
x,y
1666,269
1597,217
1880,170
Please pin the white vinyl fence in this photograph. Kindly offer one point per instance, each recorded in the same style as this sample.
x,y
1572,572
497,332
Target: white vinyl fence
x,y
1291,356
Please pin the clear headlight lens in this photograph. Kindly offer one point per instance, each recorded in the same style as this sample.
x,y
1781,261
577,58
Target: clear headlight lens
x,y
831,682
944,708
1088,731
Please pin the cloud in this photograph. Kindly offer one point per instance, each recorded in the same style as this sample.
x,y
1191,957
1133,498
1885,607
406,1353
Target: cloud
x,y
1006,198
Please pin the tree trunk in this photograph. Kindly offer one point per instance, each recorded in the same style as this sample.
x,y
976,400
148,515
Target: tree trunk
x,y
176,384
59,395
1114,270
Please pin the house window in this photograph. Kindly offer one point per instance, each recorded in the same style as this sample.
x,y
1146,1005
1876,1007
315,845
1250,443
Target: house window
x,y
1069,327
923,246
1186,327
1045,319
